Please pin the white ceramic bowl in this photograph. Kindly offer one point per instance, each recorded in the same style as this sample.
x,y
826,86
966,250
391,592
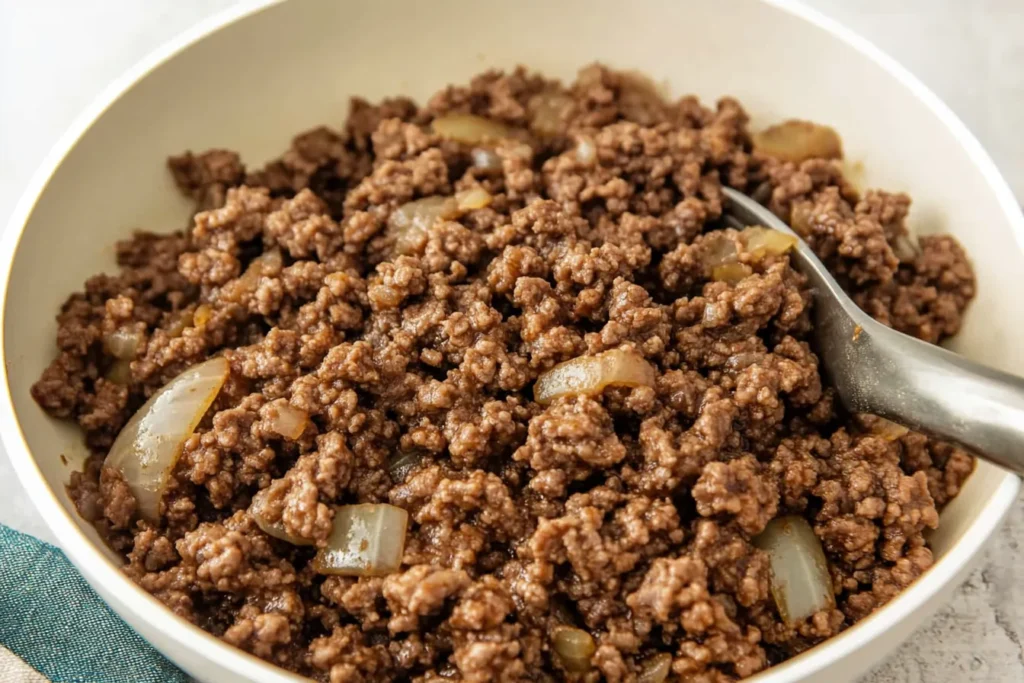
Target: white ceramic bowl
x,y
251,77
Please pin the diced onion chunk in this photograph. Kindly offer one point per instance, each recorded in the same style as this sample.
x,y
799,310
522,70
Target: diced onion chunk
x,y
574,648
797,141
589,375
485,158
366,540
472,199
730,273
655,669
761,242
123,343
259,513
469,129
286,420
150,444
408,224
801,583
549,110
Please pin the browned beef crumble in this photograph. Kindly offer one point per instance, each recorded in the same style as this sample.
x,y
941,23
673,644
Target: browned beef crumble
x,y
629,514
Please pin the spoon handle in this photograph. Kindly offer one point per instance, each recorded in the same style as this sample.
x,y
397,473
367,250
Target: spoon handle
x,y
943,394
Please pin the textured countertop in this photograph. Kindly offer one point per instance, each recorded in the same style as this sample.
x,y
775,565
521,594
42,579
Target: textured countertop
x,y
55,56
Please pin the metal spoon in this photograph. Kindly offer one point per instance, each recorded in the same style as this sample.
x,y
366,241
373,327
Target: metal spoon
x,y
878,370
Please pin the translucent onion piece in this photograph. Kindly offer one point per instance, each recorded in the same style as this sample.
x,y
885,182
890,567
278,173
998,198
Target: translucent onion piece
x,y
183,320
589,375
797,141
883,428
409,223
402,465
801,583
719,250
548,110
730,272
202,315
761,242
906,248
150,443
586,152
120,372
473,198
800,219
655,669
286,420
257,510
123,343
469,128
486,159
574,648
366,540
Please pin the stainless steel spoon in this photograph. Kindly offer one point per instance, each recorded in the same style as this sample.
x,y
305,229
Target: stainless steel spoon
x,y
878,370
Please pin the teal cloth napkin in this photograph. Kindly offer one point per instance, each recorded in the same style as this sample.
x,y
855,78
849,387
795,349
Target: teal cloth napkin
x,y
53,621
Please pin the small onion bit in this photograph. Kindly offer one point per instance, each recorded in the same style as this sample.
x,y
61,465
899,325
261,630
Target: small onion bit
x,y
149,445
589,375
366,540
258,512
469,128
798,141
655,669
286,420
801,584
574,648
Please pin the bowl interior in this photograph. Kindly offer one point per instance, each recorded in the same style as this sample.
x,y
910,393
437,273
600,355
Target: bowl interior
x,y
254,83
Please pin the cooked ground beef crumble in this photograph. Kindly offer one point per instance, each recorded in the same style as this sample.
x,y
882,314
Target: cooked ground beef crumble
x,y
630,513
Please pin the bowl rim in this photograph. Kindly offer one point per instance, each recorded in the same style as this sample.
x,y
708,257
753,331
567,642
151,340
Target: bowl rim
x,y
100,570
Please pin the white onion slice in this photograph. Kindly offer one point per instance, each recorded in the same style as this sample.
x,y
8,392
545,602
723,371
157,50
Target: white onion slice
x,y
589,375
123,343
408,224
288,421
469,128
797,141
257,510
149,445
761,242
366,540
801,583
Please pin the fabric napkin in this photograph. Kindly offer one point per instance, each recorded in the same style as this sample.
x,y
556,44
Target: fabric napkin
x,y
54,628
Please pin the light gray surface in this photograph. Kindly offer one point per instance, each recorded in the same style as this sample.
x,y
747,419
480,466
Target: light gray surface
x,y
55,56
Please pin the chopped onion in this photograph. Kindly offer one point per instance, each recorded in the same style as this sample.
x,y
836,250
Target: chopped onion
x,y
719,250
409,223
801,583
905,248
548,111
473,198
486,159
884,429
120,372
123,343
761,242
202,315
258,512
589,375
150,443
586,152
286,420
401,466
800,219
469,128
655,669
797,141
730,272
574,648
366,540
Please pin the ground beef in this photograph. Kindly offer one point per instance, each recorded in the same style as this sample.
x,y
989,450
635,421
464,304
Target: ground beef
x,y
410,357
